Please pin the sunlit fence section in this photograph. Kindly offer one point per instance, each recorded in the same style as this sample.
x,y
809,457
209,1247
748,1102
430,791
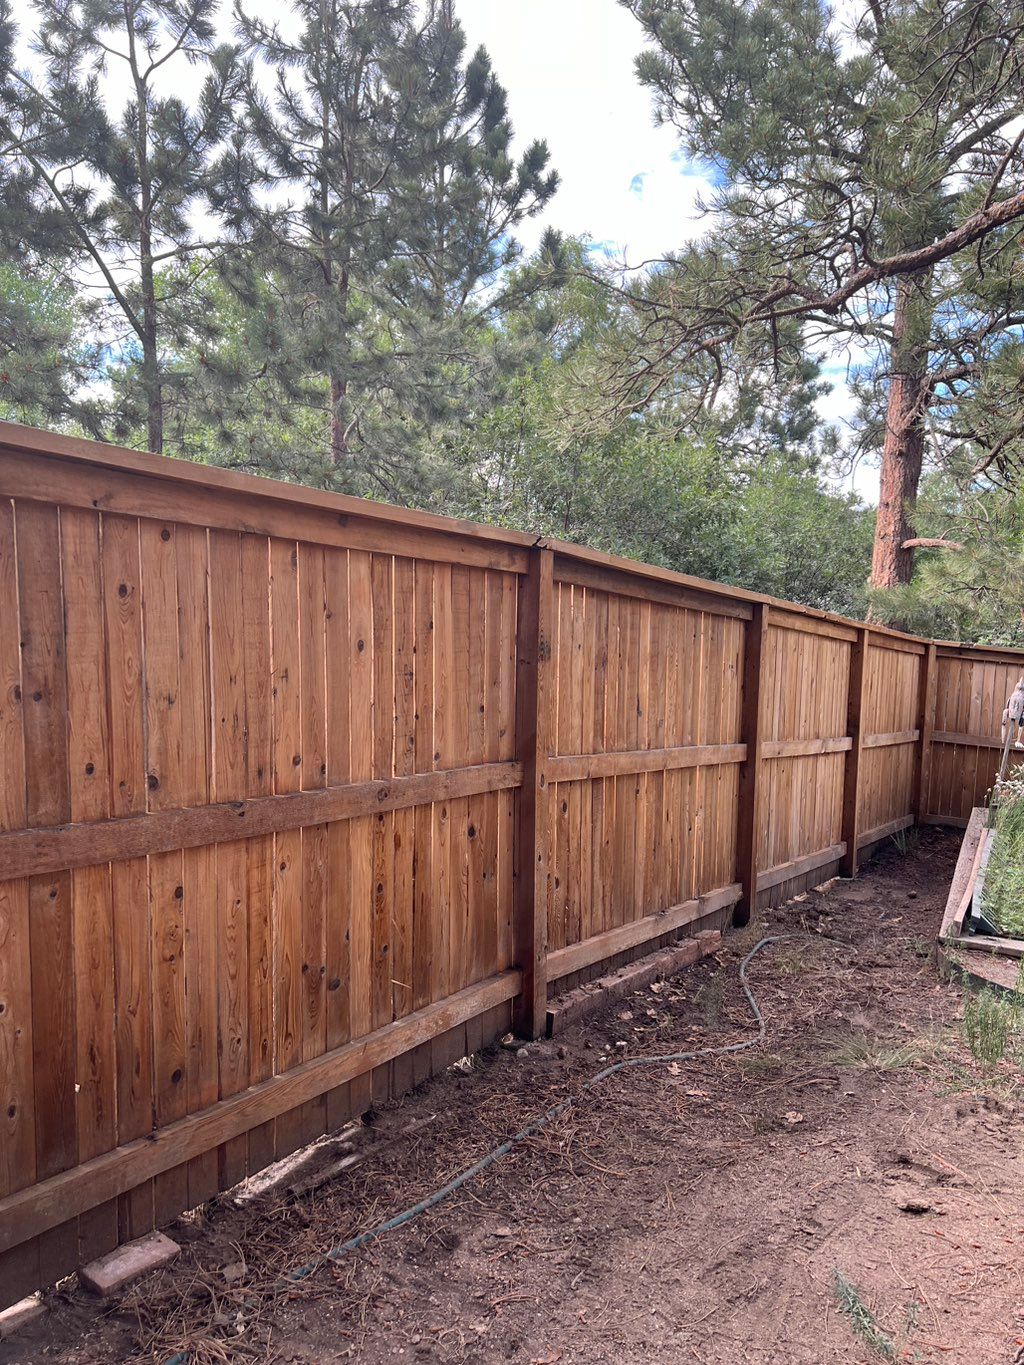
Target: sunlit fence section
x,y
304,797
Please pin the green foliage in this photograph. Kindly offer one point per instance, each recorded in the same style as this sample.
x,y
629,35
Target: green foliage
x,y
102,186
355,312
739,501
991,1023
849,154
860,1317
974,593
45,355
385,217
1003,892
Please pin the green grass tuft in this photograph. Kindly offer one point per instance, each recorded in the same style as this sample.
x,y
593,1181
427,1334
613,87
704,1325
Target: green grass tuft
x,y
870,1052
860,1317
991,1023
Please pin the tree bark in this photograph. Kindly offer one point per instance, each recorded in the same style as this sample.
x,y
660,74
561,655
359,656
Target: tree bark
x,y
892,561
339,440
154,396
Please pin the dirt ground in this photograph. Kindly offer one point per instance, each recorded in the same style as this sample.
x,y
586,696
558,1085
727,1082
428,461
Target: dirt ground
x,y
850,1190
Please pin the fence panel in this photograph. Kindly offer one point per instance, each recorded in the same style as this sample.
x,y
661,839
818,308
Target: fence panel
x,y
301,796
805,680
642,782
891,752
972,687
259,792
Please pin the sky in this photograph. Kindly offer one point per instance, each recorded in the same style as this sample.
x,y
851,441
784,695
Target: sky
x,y
568,68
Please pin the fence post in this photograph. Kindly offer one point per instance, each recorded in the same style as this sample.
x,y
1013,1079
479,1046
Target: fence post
x,y
926,724
750,769
854,729
533,742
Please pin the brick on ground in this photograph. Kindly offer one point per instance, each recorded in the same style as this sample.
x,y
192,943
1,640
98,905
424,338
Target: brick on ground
x,y
118,1268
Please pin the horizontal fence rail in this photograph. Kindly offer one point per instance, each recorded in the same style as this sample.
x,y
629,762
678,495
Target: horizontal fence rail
x,y
304,797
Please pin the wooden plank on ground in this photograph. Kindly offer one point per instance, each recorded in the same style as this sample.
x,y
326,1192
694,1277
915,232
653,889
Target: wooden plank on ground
x,y
600,947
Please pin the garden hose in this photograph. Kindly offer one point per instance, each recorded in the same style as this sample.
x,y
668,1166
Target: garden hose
x,y
534,1126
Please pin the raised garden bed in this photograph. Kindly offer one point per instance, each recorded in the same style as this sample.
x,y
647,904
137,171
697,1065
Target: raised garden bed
x,y
982,933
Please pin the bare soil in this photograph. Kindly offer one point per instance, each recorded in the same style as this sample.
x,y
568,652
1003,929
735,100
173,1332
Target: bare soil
x,y
850,1190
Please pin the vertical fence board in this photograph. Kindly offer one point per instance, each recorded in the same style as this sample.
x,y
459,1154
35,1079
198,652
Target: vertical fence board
x,y
535,621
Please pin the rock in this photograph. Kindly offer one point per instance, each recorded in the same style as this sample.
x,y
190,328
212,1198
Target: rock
x,y
915,1206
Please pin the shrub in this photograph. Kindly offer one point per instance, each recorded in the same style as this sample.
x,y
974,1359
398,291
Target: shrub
x,y
1003,893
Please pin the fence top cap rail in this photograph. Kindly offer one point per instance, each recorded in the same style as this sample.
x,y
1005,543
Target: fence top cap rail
x,y
35,441
585,554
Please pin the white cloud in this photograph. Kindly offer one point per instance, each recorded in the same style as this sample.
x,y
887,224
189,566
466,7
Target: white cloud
x,y
568,68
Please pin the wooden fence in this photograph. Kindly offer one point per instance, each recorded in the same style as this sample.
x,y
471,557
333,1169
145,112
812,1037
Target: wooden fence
x,y
303,797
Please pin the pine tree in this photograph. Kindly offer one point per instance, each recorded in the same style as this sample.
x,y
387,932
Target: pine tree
x,y
871,192
110,201
47,362
390,199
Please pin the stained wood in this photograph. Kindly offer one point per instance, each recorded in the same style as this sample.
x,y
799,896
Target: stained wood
x,y
811,625
585,767
855,722
887,740
752,730
576,567
967,741
47,801
27,1213
872,836
801,748
271,763
576,956
533,739
796,867
173,493
39,851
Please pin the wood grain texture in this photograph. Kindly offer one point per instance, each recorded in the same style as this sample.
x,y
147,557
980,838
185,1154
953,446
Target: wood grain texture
x,y
283,775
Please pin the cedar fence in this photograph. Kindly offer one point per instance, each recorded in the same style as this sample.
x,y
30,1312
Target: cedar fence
x,y
304,797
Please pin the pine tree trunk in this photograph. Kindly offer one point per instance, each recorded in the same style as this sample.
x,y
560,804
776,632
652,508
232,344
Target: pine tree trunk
x,y
154,398
903,446
339,437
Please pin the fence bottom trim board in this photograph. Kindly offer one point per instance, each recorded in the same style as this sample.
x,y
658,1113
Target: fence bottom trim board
x,y
576,1005
797,867
872,836
40,1207
565,961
